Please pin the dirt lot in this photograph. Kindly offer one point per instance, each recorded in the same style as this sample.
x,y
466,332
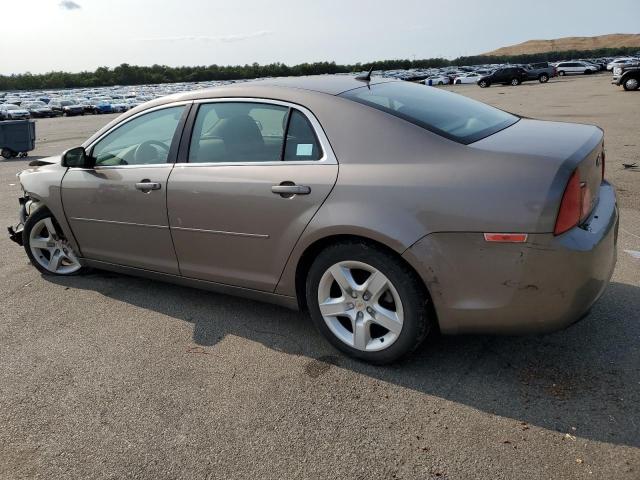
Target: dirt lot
x,y
107,376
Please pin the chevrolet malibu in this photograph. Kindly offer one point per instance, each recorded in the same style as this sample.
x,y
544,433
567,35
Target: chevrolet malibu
x,y
386,209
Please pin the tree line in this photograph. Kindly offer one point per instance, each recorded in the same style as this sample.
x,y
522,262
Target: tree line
x,y
126,74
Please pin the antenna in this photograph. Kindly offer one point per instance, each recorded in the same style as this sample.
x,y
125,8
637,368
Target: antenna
x,y
366,77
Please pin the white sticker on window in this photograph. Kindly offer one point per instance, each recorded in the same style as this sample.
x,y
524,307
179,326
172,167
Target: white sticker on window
x,y
304,150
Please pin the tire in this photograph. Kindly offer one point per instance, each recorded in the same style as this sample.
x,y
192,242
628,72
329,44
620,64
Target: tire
x,y
515,82
440,83
400,294
43,247
6,153
588,71
484,84
630,84
561,73
544,78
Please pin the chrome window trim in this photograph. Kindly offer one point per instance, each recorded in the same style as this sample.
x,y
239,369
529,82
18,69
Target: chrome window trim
x,y
328,156
89,148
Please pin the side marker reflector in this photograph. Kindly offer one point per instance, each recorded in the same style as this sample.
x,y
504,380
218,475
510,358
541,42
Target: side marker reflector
x,y
506,237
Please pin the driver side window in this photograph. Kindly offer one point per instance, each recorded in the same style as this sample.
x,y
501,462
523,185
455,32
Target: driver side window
x,y
145,140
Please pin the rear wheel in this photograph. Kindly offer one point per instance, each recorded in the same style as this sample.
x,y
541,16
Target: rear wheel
x,y
588,71
6,153
367,303
544,78
46,246
631,84
561,73
515,82
483,84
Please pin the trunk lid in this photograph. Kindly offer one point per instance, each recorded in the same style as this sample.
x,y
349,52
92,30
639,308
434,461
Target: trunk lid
x,y
559,148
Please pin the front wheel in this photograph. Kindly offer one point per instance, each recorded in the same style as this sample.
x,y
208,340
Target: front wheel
x,y
483,84
561,73
631,84
367,302
588,71
544,78
46,246
515,82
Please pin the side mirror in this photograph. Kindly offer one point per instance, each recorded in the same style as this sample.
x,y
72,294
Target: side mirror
x,y
77,157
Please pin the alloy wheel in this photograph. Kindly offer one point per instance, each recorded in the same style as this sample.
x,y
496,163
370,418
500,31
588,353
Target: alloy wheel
x,y
360,306
632,84
51,251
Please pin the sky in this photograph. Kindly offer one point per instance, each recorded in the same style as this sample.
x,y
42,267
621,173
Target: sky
x,y
73,35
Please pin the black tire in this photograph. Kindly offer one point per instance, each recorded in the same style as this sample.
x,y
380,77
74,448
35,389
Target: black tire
x,y
588,71
32,219
515,82
561,73
543,78
631,84
484,84
5,153
418,320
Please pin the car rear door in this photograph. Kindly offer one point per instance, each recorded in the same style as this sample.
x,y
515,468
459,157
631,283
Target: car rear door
x,y
118,210
244,191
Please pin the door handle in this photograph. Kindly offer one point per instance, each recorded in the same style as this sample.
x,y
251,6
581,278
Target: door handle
x,y
289,189
146,186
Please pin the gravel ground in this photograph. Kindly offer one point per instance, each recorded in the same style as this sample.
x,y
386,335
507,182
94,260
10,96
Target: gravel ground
x,y
110,377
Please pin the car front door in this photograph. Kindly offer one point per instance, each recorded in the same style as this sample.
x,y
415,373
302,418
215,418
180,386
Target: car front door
x,y
246,185
118,210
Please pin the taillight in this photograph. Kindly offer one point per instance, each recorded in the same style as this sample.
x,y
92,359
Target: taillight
x,y
570,206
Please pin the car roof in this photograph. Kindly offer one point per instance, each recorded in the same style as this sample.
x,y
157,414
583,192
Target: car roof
x,y
324,84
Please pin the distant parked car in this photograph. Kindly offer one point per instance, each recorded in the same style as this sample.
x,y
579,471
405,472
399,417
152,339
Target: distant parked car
x,y
9,111
39,110
506,76
472,77
575,68
101,106
437,80
119,106
619,62
540,71
66,107
628,76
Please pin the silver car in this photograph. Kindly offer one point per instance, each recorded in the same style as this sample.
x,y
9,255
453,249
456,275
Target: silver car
x,y
386,209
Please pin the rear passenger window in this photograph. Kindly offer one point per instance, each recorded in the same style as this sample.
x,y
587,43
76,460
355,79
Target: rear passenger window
x,y
251,132
238,132
302,143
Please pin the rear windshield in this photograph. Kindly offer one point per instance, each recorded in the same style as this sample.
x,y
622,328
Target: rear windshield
x,y
448,114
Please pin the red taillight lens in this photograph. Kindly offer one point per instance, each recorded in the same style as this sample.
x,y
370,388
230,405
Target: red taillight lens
x,y
570,206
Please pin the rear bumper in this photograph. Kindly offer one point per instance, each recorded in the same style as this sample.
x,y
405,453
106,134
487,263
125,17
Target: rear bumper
x,y
539,286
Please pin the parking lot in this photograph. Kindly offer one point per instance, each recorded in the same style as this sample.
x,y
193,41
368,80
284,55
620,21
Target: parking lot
x,y
109,376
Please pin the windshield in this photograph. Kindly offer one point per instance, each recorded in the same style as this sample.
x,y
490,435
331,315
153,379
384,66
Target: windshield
x,y
448,114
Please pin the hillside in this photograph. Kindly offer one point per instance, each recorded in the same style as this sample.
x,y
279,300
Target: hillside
x,y
616,40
